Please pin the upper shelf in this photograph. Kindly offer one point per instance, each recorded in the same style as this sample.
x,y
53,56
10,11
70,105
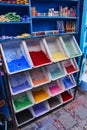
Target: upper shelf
x,y
52,17
19,39
65,0
9,4
57,1
14,22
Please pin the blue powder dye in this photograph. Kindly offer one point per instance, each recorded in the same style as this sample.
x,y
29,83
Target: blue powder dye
x,y
39,108
21,87
67,82
18,64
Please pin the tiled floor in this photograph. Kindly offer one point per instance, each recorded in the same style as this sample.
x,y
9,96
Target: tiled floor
x,y
72,116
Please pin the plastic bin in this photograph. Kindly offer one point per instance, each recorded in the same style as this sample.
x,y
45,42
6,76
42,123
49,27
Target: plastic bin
x,y
55,49
68,82
40,94
40,109
66,96
19,83
24,117
37,52
15,57
54,102
39,76
56,71
22,101
70,66
71,46
55,87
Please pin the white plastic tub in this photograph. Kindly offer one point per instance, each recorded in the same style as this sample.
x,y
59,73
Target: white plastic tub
x,y
55,48
37,48
24,117
68,82
71,45
40,109
55,102
15,57
40,94
67,96
70,66
21,99
56,71
39,76
55,88
19,83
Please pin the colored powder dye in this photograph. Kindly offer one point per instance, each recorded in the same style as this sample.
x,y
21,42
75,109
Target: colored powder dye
x,y
18,64
57,56
21,87
56,73
66,96
54,101
40,95
23,116
39,108
37,82
69,66
19,82
38,77
71,49
55,89
70,69
39,58
22,101
67,82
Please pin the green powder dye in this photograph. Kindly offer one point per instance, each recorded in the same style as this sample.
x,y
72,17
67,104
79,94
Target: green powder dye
x,y
56,73
21,102
71,49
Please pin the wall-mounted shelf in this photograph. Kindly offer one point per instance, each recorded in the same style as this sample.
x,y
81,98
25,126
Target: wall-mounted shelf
x,y
52,17
19,5
14,22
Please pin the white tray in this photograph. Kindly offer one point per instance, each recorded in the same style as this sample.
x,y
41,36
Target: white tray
x,y
71,77
71,46
14,51
70,92
19,83
72,62
52,84
34,76
54,45
36,45
61,102
29,94
25,121
44,87
55,67
45,103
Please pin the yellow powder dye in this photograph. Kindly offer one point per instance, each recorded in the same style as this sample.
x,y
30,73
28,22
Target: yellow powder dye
x,y
57,56
40,95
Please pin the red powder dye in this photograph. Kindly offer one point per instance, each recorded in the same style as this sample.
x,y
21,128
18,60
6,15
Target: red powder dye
x,y
66,96
70,69
39,58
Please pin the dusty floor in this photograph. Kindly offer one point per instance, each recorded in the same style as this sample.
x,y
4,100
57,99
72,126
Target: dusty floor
x,y
72,116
